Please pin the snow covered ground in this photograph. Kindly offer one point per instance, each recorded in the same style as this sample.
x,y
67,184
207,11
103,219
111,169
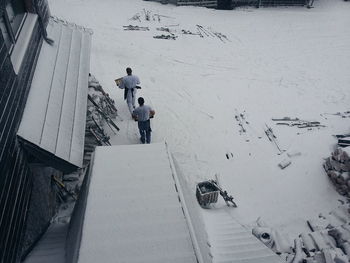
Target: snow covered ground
x,y
275,62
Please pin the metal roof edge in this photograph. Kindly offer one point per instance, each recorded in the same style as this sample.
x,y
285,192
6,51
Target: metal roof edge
x,y
71,24
184,206
47,157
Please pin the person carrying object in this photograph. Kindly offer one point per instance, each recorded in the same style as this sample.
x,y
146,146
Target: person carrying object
x,y
142,115
130,83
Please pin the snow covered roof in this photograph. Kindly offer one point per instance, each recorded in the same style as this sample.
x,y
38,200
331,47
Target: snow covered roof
x,y
53,123
133,212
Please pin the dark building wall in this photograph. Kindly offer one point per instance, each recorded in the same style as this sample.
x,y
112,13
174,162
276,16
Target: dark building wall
x,y
14,202
42,206
224,4
15,175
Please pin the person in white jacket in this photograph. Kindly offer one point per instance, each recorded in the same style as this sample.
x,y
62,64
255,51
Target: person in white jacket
x,y
130,83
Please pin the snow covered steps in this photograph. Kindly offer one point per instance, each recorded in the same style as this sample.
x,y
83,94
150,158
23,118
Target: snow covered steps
x,y
231,242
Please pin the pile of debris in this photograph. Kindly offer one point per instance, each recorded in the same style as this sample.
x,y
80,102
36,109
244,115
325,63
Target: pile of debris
x,y
188,32
345,114
147,15
208,32
337,167
273,138
137,28
100,112
328,241
296,122
168,37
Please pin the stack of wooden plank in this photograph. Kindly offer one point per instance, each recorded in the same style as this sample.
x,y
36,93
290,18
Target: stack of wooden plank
x,y
101,108
337,167
329,239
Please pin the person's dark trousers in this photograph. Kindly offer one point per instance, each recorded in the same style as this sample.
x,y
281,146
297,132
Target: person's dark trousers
x,y
145,136
145,131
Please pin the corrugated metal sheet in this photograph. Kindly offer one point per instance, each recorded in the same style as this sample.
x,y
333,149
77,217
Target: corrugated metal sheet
x,y
133,212
54,116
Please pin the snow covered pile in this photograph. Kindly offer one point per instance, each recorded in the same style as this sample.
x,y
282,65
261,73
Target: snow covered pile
x,y
338,169
328,241
272,238
101,110
104,101
330,237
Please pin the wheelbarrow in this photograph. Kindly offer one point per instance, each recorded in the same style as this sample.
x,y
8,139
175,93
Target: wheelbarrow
x,y
207,193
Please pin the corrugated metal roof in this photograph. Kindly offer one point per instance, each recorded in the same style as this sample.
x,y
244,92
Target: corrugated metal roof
x,y
133,212
55,112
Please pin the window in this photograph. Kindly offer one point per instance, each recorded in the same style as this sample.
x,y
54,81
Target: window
x,y
11,22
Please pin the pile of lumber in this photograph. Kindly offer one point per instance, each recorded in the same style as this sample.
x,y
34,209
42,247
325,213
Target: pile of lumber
x,y
328,241
104,101
100,111
318,247
168,37
337,167
137,28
